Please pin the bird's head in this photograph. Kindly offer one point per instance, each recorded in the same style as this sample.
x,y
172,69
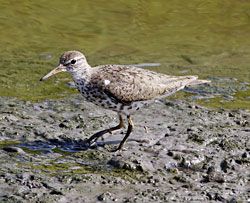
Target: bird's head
x,y
70,61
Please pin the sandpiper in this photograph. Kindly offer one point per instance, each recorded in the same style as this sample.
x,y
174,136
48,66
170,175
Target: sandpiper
x,y
124,89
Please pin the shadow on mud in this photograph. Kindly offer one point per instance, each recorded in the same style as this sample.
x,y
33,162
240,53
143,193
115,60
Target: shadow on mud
x,y
67,145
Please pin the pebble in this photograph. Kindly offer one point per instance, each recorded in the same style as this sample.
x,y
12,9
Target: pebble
x,y
107,196
12,149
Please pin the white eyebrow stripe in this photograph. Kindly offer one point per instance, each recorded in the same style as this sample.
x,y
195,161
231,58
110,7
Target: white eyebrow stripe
x,y
79,57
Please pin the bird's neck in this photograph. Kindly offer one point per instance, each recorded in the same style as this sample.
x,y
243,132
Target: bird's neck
x,y
83,74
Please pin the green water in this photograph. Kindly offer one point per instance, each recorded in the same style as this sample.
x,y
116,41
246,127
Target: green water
x,y
209,38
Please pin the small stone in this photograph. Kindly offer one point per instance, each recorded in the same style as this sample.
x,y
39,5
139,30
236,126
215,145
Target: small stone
x,y
210,170
56,192
170,153
245,155
40,132
158,143
224,166
241,122
192,129
171,128
230,114
106,196
11,118
14,150
177,157
233,200
191,106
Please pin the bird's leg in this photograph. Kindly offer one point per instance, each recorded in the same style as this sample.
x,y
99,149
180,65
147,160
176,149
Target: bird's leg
x,y
101,133
129,130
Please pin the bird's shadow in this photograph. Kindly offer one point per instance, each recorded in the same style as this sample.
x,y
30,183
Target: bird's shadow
x,y
67,145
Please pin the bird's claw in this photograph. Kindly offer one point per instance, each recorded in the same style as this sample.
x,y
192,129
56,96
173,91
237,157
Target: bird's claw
x,y
87,143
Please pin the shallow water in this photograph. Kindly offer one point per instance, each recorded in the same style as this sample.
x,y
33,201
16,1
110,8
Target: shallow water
x,y
206,38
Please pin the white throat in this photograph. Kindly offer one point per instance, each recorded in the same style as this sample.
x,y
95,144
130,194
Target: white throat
x,y
82,73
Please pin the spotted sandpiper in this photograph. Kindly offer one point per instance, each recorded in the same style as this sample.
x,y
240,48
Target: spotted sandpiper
x,y
121,88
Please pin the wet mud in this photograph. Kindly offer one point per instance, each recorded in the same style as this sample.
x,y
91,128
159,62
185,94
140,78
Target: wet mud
x,y
178,152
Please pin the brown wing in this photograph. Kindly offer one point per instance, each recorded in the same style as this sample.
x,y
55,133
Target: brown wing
x,y
128,84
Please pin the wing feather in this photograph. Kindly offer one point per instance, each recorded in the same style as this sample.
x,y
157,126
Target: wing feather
x,y
127,84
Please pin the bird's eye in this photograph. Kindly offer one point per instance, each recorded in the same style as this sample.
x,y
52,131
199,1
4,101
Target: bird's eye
x,y
73,61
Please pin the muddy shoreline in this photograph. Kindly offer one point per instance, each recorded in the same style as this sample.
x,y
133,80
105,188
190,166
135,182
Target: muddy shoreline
x,y
178,152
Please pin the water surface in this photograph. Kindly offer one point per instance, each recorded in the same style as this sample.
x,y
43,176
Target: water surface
x,y
206,38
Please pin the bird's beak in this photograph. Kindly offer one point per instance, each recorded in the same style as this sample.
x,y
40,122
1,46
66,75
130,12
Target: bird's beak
x,y
58,69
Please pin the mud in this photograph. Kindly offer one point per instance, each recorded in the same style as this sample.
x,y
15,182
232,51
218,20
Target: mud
x,y
178,152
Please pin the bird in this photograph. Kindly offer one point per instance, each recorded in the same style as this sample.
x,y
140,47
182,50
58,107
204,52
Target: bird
x,y
122,88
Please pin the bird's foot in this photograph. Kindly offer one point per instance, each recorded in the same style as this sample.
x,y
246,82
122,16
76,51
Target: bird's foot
x,y
92,144
88,143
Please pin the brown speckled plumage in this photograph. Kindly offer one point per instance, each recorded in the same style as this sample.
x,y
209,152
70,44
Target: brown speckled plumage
x,y
123,89
129,84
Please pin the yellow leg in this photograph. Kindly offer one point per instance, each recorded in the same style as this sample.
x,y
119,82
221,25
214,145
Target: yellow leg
x,y
129,130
